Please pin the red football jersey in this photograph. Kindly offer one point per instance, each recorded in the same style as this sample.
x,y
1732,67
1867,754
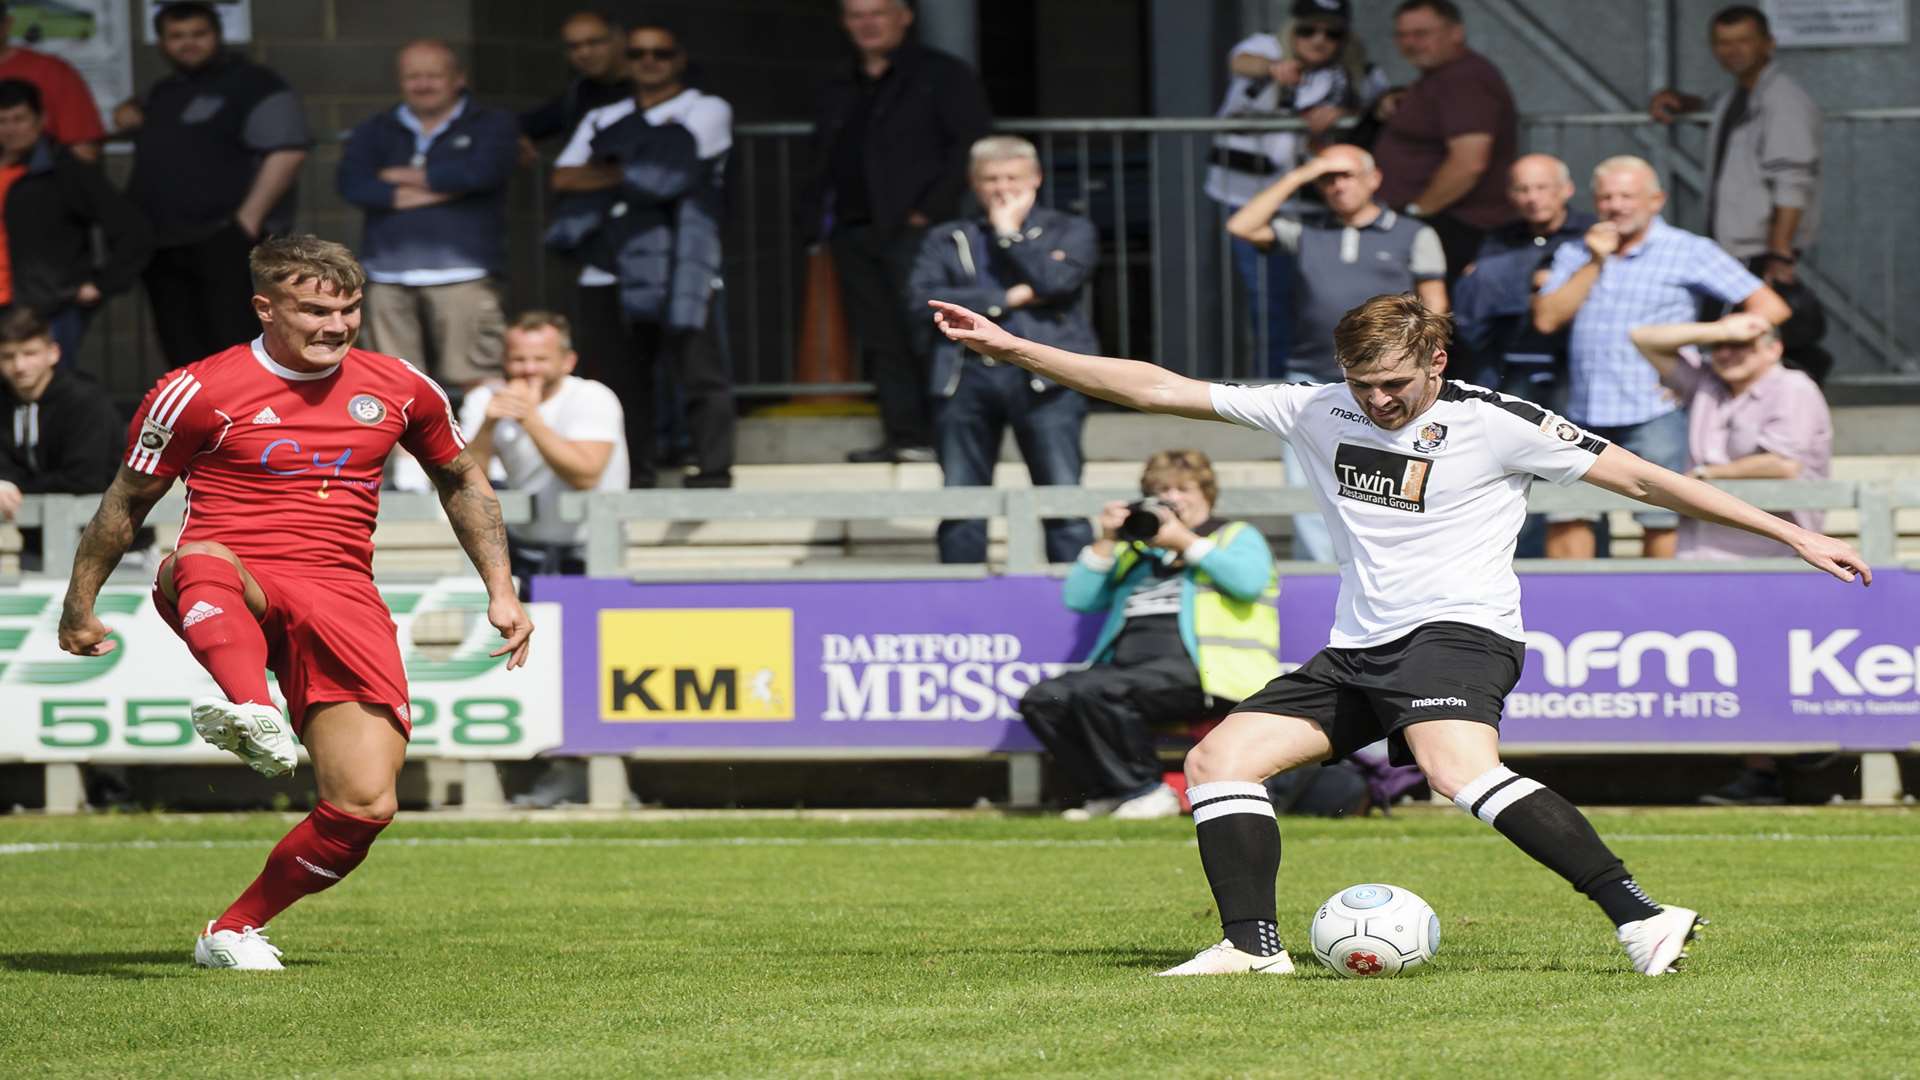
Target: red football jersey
x,y
284,466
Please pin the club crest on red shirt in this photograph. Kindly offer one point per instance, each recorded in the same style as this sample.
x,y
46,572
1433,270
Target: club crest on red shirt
x,y
367,409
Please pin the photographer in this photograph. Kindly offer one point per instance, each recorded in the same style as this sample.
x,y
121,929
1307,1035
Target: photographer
x,y
1192,625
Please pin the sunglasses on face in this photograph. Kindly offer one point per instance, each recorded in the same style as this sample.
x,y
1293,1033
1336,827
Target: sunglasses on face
x,y
1320,30
652,54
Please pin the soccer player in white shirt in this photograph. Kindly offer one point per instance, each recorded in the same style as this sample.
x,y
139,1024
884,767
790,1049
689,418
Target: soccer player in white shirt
x,y
1424,485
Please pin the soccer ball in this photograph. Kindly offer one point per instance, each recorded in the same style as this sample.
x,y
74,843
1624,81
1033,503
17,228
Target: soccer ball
x,y
1372,931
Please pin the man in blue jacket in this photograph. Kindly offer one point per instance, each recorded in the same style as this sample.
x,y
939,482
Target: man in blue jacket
x,y
432,175
1193,624
1029,265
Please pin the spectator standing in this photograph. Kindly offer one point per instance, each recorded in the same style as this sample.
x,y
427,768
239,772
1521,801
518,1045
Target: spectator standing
x,y
1351,249
217,147
645,177
72,117
1192,624
431,175
597,53
1749,418
1029,265
1631,269
1314,70
59,432
50,204
1446,142
1763,183
890,143
1493,299
553,432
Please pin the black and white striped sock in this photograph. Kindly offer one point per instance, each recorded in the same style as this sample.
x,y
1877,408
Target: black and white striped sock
x,y
1240,851
1549,828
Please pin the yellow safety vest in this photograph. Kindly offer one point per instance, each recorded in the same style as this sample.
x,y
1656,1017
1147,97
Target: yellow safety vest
x,y
1238,641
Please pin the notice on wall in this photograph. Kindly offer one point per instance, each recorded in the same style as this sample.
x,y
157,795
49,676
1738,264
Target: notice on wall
x,y
92,35
1809,23
236,19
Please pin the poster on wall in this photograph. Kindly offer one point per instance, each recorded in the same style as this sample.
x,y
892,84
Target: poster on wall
x,y
236,19
92,35
1811,23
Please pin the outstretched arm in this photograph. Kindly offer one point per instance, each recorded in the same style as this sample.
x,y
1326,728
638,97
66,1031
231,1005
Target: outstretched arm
x,y
1137,385
123,508
1626,473
474,513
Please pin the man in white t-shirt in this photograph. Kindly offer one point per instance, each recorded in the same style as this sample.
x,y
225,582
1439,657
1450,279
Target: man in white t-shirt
x,y
1424,484
552,431
616,347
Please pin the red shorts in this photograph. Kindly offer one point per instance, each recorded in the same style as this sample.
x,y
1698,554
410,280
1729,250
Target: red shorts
x,y
328,640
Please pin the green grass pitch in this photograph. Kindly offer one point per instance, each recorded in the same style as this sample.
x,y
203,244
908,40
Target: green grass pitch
x,y
736,945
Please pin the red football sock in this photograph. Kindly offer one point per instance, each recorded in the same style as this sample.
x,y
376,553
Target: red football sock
x,y
217,627
321,850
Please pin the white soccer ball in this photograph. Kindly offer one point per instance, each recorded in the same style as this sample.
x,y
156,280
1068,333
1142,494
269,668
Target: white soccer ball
x,y
1373,931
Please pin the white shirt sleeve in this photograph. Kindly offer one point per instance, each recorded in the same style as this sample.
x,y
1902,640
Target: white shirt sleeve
x,y
1266,45
579,148
1552,447
1428,260
473,410
1273,408
711,122
1286,233
593,415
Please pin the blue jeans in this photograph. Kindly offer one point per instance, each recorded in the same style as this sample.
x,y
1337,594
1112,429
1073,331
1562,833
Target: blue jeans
x,y
1661,440
1267,278
967,429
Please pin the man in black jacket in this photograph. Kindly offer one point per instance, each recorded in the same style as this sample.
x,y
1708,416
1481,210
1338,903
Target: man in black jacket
x,y
1029,266
890,148
50,203
596,51
59,432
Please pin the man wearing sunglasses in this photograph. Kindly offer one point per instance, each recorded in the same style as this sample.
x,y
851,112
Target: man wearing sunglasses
x,y
647,171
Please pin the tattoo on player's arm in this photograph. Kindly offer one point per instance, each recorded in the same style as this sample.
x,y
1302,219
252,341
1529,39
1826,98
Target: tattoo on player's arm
x,y
123,508
474,513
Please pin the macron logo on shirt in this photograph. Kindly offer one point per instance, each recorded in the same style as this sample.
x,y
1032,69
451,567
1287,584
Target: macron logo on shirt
x,y
266,416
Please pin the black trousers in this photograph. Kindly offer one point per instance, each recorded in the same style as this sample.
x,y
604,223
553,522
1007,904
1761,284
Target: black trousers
x,y
202,296
625,355
1095,722
873,262
1459,241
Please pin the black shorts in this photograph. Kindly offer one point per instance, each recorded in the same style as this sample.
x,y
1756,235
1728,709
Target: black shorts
x,y
1441,671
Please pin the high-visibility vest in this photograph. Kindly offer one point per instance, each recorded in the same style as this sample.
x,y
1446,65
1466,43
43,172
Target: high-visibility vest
x,y
1237,641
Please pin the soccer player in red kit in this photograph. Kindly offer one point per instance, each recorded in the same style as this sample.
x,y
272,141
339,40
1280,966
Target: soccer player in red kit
x,y
281,443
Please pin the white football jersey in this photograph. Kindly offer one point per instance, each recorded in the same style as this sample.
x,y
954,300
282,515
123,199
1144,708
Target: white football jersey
x,y
1423,519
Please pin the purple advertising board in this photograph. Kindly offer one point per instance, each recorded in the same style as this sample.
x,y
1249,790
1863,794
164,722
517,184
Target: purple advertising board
x,y
1779,659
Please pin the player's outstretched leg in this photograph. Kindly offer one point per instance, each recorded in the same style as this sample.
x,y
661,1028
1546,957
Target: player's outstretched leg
x,y
1462,762
357,754
1239,838
219,607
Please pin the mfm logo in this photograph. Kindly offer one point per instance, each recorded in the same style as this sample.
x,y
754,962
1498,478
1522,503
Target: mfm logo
x,y
696,664
1575,662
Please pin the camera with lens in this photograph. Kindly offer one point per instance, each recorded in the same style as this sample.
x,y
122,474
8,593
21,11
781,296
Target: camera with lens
x,y
1142,523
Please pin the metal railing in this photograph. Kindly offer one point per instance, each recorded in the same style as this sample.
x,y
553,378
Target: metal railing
x,y
607,515
1166,288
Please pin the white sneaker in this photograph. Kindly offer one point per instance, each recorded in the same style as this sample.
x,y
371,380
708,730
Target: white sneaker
x,y
247,950
258,734
1161,802
1094,808
1224,959
1655,945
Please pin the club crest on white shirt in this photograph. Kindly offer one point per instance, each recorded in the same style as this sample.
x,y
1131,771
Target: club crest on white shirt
x,y
1432,437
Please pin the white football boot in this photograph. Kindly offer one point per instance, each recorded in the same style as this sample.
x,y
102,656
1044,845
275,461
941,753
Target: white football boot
x,y
1094,808
246,950
1161,802
1224,959
258,734
1655,945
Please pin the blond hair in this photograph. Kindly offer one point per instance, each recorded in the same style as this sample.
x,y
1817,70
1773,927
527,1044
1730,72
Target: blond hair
x,y
284,261
1629,163
1001,148
1171,466
536,320
1388,328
